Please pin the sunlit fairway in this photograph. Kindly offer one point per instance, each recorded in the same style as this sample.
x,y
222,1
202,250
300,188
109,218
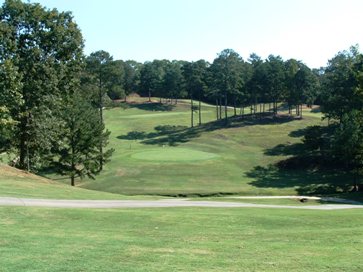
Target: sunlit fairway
x,y
180,239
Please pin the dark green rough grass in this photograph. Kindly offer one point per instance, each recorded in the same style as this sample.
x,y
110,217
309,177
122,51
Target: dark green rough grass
x,y
187,239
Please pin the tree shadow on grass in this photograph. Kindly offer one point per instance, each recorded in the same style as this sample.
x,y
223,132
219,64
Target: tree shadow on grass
x,y
152,106
303,170
306,182
175,135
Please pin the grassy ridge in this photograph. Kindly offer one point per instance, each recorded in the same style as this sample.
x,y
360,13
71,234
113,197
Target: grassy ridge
x,y
17,183
187,239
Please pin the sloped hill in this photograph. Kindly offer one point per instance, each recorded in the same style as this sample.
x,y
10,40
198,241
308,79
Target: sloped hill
x,y
18,183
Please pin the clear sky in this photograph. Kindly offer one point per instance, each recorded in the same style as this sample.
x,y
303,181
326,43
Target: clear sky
x,y
309,30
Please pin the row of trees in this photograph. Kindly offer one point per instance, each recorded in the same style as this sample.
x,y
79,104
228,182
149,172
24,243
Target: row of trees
x,y
228,81
52,96
340,143
46,117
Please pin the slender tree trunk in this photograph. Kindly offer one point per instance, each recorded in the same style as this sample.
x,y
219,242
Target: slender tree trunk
x,y
220,108
191,112
217,109
149,96
101,119
235,107
160,100
225,109
301,111
23,143
72,180
200,112
73,165
263,107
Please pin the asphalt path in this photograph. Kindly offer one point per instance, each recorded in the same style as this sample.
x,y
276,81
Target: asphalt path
x,y
164,203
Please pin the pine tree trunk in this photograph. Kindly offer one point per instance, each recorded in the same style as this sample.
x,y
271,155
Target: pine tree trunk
x,y
225,109
73,165
191,110
200,112
72,180
23,143
220,108
217,109
235,107
149,96
101,119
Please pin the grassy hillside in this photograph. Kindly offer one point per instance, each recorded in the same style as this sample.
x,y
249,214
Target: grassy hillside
x,y
17,183
182,239
157,153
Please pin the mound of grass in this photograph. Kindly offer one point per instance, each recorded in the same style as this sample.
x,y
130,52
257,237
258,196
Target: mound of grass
x,y
180,239
17,183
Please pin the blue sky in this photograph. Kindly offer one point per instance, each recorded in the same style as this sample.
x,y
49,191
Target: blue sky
x,y
309,30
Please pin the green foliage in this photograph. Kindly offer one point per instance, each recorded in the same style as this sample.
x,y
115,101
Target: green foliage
x,y
41,55
347,144
79,155
341,92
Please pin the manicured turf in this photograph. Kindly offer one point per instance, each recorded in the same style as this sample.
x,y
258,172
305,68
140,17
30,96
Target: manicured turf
x,y
188,239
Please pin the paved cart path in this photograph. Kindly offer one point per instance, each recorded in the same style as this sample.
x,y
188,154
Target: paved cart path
x,y
165,203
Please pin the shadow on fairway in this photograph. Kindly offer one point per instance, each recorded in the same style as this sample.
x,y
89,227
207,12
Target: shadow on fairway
x,y
306,182
305,171
153,106
175,135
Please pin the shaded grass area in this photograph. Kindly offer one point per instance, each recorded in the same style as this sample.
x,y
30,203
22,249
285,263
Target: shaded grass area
x,y
293,202
186,239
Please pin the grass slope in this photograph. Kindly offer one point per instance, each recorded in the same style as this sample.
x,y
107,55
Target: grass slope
x,y
157,153
187,239
17,183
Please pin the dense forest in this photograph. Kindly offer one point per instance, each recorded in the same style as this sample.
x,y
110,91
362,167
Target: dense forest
x,y
52,96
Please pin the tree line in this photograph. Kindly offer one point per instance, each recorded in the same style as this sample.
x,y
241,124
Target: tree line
x,y
47,118
52,96
229,81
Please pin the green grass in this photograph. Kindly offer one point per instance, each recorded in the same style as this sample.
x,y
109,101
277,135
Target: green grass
x,y
187,239
157,153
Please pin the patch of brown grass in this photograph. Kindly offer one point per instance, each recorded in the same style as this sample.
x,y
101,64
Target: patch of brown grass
x,y
7,171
